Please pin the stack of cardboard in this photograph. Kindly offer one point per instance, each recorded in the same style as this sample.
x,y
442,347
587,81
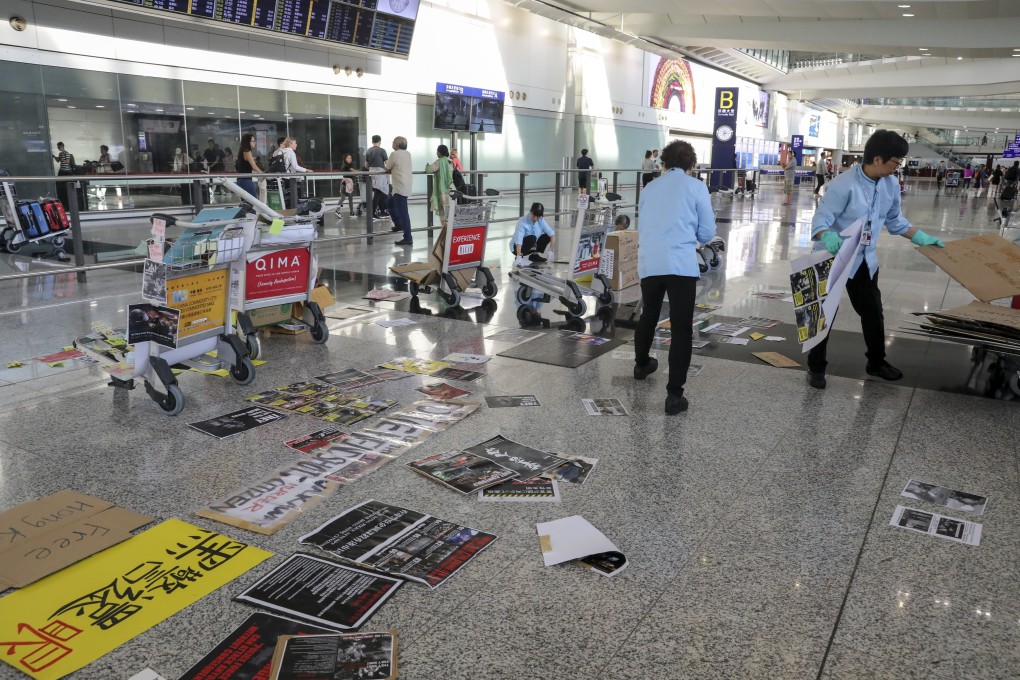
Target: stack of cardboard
x,y
978,323
622,260
428,273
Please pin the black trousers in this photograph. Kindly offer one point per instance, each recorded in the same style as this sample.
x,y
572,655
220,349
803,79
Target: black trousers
x,y
681,291
866,299
646,178
819,181
532,245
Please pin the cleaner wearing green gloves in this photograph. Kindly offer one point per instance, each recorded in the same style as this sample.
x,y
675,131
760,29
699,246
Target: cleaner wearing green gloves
x,y
870,191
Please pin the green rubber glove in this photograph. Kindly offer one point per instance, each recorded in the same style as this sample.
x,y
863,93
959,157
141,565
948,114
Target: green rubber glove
x,y
922,239
831,240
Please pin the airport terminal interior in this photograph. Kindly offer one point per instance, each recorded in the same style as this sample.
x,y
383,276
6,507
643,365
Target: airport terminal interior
x,y
467,480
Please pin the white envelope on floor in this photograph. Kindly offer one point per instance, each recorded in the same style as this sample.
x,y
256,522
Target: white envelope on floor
x,y
571,538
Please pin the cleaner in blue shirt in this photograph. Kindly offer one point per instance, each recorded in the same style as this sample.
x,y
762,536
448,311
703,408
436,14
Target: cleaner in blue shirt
x,y
868,190
674,216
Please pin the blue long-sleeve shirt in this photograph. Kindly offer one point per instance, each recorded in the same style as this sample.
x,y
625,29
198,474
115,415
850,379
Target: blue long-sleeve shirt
x,y
675,216
525,228
854,195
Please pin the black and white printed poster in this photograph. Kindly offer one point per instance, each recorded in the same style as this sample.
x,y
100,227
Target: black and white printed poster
x,y
534,490
237,422
949,498
512,401
399,541
523,460
247,653
461,471
343,656
321,592
154,282
150,323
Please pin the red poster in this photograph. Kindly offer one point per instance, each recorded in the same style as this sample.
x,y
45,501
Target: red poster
x,y
467,246
282,272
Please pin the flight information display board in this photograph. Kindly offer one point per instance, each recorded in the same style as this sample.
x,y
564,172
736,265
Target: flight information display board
x,y
381,25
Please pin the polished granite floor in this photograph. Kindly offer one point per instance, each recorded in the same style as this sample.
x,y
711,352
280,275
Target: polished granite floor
x,y
756,524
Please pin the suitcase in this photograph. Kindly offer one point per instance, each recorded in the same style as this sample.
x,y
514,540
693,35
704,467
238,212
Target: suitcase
x,y
58,210
40,218
27,220
51,215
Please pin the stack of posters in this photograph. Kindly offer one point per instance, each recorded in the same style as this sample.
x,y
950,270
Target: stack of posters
x,y
349,379
524,461
316,440
574,538
395,540
534,490
69,619
323,401
247,652
977,323
818,281
348,656
267,505
462,472
321,592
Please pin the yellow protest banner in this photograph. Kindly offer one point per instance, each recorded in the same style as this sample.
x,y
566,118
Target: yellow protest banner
x,y
201,299
63,622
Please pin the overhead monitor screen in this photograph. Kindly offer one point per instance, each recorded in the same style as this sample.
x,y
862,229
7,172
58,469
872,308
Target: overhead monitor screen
x,y
468,109
381,25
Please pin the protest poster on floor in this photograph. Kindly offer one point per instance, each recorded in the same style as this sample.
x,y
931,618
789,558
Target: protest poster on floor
x,y
513,401
949,498
818,280
399,541
731,330
573,470
316,440
247,652
574,538
461,471
321,592
342,656
934,524
534,490
442,391
71,618
231,424
604,407
525,461
461,374
415,365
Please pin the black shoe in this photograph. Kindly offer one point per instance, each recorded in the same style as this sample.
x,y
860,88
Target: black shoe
x,y
404,242
675,405
395,228
642,372
535,257
885,371
816,380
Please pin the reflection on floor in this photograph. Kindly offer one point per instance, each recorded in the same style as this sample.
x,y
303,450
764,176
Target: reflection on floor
x,y
756,524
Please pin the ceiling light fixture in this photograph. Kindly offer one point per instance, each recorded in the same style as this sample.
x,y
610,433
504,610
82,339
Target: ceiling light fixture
x,y
959,58
908,15
903,6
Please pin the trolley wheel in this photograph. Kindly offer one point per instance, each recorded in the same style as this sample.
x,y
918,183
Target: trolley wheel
x,y
243,372
6,236
414,288
702,267
58,241
579,308
715,261
489,289
1014,382
452,298
254,345
320,332
523,294
11,246
526,316
605,298
173,402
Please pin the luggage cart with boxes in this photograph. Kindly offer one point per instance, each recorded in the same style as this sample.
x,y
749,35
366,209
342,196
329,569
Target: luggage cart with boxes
x,y
457,260
192,327
277,272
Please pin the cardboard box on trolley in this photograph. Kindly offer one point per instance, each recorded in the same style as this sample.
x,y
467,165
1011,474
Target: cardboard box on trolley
x,y
622,247
430,273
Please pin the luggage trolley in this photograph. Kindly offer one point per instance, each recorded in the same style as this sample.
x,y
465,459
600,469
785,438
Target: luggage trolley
x,y
200,293
952,180
594,220
458,255
277,269
42,221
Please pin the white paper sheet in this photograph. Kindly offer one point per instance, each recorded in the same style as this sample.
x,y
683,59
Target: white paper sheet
x,y
571,538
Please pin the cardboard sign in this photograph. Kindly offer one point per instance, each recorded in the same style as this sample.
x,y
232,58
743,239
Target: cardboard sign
x,y
986,313
776,359
282,272
43,536
987,265
52,628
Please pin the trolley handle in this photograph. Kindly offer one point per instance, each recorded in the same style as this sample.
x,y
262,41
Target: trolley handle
x,y
489,193
173,221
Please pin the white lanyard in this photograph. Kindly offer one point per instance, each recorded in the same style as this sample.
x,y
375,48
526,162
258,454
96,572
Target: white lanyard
x,y
866,238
